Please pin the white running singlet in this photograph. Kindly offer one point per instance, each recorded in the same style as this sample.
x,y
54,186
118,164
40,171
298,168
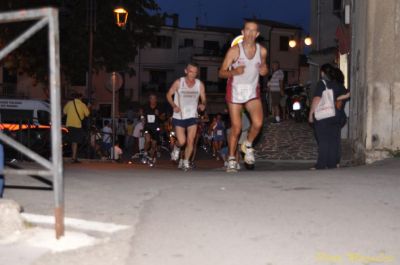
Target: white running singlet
x,y
187,99
245,87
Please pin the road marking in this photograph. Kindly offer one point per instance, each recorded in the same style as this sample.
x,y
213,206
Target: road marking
x,y
75,223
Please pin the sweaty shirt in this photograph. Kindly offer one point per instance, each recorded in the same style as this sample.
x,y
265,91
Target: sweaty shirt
x,y
245,87
187,98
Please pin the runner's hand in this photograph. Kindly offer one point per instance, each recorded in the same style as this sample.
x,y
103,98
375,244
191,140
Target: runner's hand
x,y
263,70
177,109
238,70
202,107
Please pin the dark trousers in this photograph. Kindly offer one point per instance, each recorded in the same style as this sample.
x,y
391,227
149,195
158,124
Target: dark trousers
x,y
327,132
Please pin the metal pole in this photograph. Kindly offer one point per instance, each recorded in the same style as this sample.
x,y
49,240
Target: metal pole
x,y
113,81
90,64
55,99
23,37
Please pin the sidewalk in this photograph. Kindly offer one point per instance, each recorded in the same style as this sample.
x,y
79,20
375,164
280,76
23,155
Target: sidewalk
x,y
290,140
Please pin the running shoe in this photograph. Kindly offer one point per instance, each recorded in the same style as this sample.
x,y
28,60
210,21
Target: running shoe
x,y
180,164
186,165
248,153
232,166
175,153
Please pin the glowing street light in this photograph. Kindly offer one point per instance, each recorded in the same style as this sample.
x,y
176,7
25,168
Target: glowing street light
x,y
308,41
292,43
121,16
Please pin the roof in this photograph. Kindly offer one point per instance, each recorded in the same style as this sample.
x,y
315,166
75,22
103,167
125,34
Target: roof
x,y
272,23
234,31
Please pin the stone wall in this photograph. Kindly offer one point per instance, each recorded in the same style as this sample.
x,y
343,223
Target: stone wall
x,y
375,79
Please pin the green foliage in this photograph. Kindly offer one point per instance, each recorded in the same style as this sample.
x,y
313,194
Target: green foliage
x,y
113,48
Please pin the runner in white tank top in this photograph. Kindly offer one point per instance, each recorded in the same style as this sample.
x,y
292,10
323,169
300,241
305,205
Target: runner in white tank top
x,y
242,66
183,96
188,98
245,87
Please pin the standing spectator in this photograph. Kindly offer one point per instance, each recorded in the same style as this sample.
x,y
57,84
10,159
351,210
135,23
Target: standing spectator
x,y
107,137
76,111
121,131
130,114
327,130
218,128
276,90
137,134
129,138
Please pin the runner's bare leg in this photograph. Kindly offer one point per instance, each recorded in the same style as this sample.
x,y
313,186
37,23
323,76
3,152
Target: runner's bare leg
x,y
255,110
191,134
236,127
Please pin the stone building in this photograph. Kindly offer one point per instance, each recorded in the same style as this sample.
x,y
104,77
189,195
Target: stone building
x,y
362,37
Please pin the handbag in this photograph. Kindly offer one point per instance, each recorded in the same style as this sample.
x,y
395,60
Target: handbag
x,y
326,106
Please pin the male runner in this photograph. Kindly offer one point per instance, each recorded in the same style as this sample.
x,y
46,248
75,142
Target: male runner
x,y
152,114
186,91
242,66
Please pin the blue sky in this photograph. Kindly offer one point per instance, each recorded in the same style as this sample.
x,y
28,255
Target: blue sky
x,y
229,13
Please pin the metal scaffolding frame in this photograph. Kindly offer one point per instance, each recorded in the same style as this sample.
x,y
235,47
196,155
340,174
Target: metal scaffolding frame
x,y
54,166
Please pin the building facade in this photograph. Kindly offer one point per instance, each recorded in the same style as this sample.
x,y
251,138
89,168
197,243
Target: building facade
x,y
159,64
375,79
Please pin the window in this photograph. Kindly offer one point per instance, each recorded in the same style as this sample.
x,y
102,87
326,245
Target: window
x,y
284,43
162,42
203,74
211,47
159,79
43,117
188,43
16,116
105,110
337,5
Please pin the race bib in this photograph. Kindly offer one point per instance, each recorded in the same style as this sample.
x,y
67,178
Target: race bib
x,y
189,112
151,118
242,93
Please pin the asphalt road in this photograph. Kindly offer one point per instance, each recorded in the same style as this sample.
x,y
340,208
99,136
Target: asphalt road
x,y
275,215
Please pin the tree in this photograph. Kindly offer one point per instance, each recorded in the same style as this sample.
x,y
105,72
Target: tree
x,y
114,48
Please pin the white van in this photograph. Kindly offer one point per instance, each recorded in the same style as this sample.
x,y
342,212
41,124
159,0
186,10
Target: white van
x,y
25,111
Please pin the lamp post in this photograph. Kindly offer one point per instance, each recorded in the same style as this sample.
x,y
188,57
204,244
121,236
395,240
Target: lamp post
x,y
121,16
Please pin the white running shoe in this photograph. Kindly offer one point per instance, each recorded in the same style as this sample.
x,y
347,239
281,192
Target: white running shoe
x,y
232,165
175,153
186,165
248,153
180,164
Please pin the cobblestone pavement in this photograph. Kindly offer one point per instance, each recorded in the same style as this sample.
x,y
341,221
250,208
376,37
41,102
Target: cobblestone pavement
x,y
288,140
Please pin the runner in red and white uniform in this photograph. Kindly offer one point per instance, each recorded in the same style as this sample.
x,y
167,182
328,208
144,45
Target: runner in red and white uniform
x,y
242,66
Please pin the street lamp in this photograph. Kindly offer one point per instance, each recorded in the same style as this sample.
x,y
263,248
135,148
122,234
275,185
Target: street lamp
x,y
121,16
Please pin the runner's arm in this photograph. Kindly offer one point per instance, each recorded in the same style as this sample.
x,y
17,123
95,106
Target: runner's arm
x,y
230,57
263,67
202,105
170,93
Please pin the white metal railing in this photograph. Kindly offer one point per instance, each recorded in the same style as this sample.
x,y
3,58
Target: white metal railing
x,y
54,167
